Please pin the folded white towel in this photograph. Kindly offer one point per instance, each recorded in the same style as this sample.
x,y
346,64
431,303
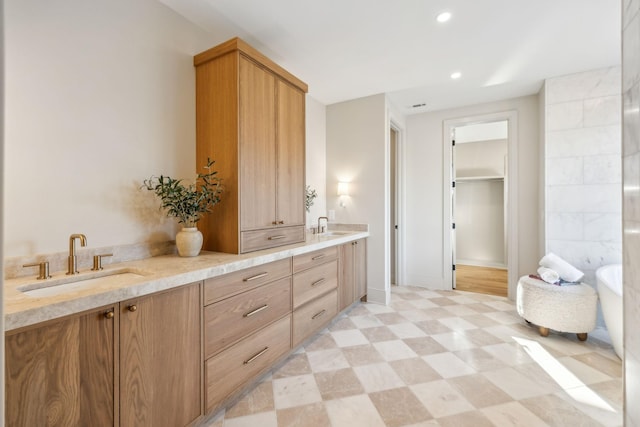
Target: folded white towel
x,y
566,271
548,275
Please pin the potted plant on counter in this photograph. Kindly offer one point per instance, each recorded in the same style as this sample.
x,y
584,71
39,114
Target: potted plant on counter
x,y
187,202
309,196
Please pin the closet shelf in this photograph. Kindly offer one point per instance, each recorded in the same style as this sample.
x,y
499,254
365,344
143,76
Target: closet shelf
x,y
479,178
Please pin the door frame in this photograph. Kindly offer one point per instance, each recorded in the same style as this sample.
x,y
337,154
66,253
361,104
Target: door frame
x,y
511,183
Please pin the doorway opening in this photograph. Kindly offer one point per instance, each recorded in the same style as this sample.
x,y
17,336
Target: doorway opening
x,y
482,215
479,211
393,205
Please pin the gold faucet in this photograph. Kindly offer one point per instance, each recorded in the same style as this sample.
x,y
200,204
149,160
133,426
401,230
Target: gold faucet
x,y
320,230
73,261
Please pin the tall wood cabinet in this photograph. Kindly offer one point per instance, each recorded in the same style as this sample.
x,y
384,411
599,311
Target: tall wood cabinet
x,y
134,363
250,119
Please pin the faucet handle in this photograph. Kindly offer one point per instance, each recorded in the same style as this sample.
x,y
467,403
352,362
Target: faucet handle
x,y
97,261
43,272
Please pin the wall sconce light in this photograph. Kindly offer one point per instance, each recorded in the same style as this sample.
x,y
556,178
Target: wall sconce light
x,y
343,189
343,192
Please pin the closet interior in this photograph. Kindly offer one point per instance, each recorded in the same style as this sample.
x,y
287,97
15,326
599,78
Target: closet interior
x,y
480,164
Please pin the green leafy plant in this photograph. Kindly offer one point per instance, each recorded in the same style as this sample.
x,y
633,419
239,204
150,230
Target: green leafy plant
x,y
187,201
310,195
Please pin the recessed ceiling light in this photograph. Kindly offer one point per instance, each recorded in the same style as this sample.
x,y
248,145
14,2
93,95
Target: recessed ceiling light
x,y
443,16
456,75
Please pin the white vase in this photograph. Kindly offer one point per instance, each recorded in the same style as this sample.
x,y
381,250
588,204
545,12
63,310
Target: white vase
x,y
189,241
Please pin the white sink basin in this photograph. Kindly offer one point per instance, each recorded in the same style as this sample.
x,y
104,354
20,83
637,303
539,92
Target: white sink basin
x,y
94,279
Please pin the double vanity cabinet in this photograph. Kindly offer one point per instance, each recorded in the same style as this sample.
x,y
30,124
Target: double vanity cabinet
x,y
173,357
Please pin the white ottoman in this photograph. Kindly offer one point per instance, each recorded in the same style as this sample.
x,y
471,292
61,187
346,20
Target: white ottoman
x,y
570,308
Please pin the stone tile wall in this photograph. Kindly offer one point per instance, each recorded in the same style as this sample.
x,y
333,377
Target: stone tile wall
x,y
583,207
631,205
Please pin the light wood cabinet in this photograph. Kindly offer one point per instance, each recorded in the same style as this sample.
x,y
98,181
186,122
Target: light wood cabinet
x,y
247,327
311,283
353,272
135,363
230,370
313,316
221,287
160,362
165,358
250,119
228,321
311,259
62,373
315,296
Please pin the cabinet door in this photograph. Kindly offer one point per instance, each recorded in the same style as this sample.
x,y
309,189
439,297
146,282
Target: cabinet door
x,y
347,279
160,362
360,265
353,272
290,155
257,147
62,373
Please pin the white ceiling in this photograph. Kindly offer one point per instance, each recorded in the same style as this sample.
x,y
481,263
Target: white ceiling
x,y
347,49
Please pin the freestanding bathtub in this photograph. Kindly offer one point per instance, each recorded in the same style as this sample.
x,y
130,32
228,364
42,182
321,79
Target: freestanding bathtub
x,y
609,278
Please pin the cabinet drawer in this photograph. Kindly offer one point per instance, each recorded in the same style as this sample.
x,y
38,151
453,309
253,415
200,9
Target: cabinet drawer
x,y
226,372
314,316
262,239
314,282
304,261
231,284
229,320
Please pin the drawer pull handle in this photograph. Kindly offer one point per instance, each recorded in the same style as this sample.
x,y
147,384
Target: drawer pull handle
x,y
257,310
276,237
317,257
317,282
274,222
132,308
255,356
280,222
318,314
257,276
109,315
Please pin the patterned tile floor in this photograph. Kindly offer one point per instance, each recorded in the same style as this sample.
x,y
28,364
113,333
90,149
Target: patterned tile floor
x,y
437,358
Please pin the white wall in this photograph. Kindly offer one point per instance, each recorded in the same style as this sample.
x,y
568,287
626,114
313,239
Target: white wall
x,y
479,217
583,170
424,188
357,152
480,158
99,96
316,162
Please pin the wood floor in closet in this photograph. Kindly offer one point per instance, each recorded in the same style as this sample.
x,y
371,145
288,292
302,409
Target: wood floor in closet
x,y
485,280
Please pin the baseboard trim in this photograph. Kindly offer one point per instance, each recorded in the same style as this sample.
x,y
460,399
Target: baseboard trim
x,y
378,296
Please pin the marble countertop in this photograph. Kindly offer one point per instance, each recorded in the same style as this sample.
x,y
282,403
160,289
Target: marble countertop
x,y
133,279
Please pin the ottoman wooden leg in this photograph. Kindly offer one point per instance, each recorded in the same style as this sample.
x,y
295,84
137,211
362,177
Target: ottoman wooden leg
x,y
543,331
582,336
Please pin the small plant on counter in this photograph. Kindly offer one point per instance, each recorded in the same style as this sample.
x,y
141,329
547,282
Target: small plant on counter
x,y
187,202
310,195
